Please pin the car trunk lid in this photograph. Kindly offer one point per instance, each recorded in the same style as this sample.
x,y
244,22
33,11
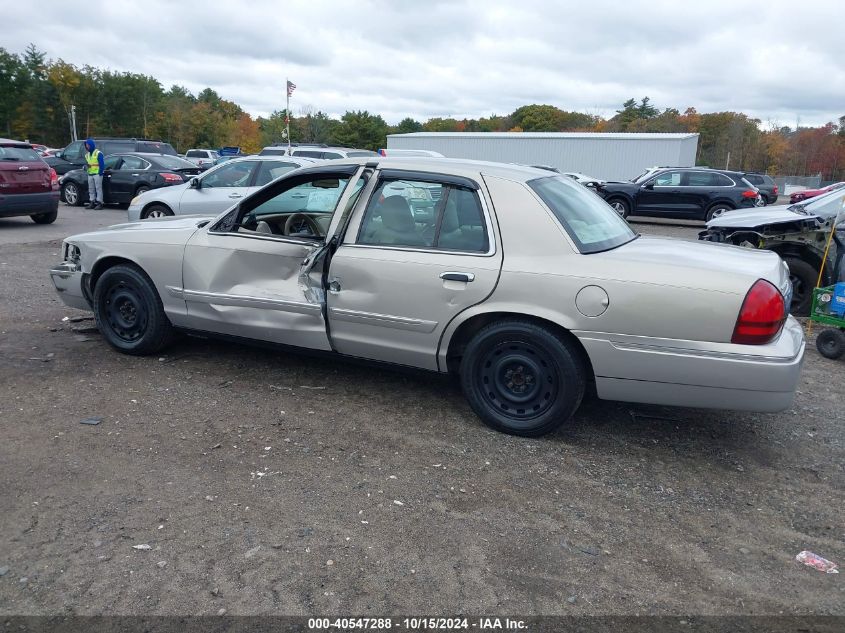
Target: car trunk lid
x,y
22,170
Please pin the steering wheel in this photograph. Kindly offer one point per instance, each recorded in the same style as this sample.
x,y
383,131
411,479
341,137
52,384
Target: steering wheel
x,y
299,217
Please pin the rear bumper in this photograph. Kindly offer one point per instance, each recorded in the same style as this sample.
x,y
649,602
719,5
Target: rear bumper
x,y
28,203
68,280
696,374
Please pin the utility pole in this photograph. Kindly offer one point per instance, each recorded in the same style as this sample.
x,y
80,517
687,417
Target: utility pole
x,y
72,119
728,161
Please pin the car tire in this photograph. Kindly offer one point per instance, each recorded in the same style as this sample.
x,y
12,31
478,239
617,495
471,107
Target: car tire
x,y
45,218
521,378
129,312
156,211
803,277
621,206
716,210
831,343
71,194
141,189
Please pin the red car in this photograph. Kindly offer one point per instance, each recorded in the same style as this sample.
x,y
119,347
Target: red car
x,y
798,196
28,185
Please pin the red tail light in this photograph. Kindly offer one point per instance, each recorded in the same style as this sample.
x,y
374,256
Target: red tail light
x,y
761,316
172,178
749,193
776,190
54,179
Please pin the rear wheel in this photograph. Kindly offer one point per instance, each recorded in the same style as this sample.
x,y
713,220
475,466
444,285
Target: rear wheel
x,y
521,378
803,277
156,211
831,343
45,218
716,210
129,312
71,194
621,206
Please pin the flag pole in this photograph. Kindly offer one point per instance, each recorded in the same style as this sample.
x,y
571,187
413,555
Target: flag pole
x,y
287,111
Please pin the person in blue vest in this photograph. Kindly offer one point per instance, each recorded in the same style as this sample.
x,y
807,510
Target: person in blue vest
x,y
96,166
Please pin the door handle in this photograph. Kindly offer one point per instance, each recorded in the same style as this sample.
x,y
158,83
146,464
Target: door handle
x,y
453,276
235,195
136,174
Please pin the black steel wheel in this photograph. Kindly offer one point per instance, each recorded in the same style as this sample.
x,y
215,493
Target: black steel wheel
x,y
831,343
521,378
129,312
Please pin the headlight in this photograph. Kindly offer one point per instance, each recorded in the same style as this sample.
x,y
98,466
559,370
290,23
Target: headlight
x,y
134,201
72,253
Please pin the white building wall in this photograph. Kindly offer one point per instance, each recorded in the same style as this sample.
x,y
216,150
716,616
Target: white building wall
x,y
607,156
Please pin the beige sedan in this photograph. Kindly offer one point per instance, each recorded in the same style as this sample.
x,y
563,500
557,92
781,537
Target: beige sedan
x,y
522,283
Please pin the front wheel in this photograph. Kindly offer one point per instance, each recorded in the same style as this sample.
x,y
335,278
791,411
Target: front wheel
x,y
620,206
521,378
156,211
129,312
831,343
803,277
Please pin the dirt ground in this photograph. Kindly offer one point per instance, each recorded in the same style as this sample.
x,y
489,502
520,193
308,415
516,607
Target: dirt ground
x,y
266,483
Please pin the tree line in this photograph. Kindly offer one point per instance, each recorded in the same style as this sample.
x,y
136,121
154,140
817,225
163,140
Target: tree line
x,y
36,95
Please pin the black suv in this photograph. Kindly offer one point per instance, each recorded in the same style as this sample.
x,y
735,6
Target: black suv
x,y
690,193
73,156
765,185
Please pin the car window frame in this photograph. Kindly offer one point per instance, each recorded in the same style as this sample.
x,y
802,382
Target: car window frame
x,y
392,174
144,161
228,163
241,209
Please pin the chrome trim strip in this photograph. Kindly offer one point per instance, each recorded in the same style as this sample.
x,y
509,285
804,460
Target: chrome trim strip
x,y
244,301
386,320
173,291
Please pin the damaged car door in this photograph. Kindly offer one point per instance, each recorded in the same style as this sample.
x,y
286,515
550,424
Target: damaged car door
x,y
249,274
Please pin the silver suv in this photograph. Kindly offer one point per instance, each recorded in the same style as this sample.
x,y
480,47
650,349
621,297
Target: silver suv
x,y
202,158
315,151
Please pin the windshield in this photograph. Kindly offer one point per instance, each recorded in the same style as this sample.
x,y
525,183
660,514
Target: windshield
x,y
648,172
174,162
825,205
16,153
588,219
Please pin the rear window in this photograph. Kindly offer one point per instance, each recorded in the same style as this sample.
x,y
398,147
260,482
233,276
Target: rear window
x,y
17,153
174,162
273,152
361,153
196,153
156,148
588,219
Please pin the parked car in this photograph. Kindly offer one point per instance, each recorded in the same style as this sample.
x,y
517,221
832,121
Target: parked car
x,y
323,152
216,189
523,284
73,156
800,233
409,152
129,175
765,185
584,179
28,186
692,193
202,158
806,194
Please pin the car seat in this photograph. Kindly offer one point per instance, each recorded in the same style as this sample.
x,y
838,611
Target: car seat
x,y
397,224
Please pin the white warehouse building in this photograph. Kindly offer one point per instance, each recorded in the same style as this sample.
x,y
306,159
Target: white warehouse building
x,y
607,156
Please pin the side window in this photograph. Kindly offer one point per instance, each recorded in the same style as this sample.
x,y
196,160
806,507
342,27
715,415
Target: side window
x,y
331,155
720,180
754,179
317,195
133,162
230,174
307,153
269,170
424,214
74,152
701,179
668,179
112,162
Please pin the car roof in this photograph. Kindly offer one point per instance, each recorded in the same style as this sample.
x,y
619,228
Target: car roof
x,y
9,141
454,166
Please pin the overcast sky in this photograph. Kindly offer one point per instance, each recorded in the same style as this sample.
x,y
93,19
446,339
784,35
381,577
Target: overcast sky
x,y
779,60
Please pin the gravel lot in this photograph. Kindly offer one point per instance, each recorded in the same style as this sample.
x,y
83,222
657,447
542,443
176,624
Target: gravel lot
x,y
271,483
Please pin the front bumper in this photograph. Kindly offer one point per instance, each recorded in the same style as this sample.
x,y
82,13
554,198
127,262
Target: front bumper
x,y
696,374
69,281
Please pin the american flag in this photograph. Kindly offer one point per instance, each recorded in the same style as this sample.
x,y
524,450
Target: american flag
x,y
291,88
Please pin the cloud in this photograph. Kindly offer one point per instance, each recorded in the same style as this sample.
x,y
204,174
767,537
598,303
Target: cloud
x,y
462,58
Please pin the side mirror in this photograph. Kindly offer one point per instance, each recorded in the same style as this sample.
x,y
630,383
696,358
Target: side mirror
x,y
59,154
649,185
195,183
